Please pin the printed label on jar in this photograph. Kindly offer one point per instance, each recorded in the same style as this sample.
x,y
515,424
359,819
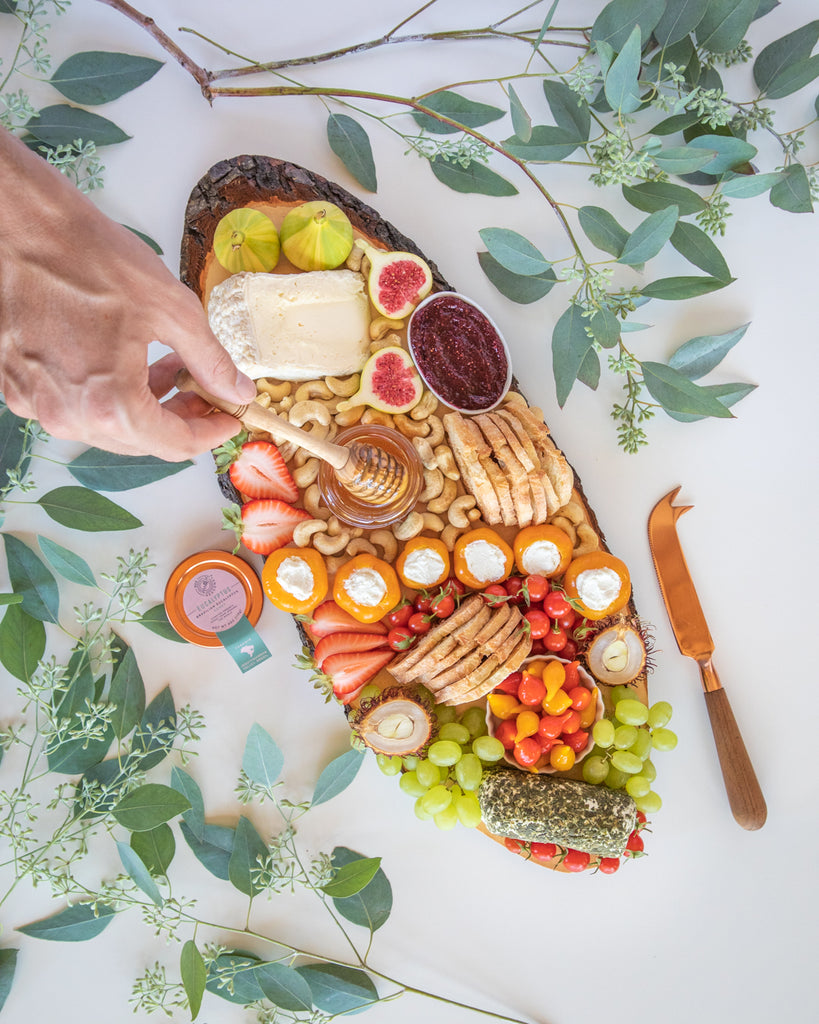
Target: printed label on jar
x,y
214,600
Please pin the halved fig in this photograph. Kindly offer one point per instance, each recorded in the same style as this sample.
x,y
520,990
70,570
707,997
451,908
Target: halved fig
x,y
397,281
389,382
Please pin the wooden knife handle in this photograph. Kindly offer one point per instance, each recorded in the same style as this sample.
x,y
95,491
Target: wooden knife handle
x,y
744,795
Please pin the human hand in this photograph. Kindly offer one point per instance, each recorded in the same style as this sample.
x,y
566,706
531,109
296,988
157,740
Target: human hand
x,y
81,299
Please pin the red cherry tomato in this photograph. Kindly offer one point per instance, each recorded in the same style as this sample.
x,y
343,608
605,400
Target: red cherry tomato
x,y
537,587
531,690
568,620
506,733
512,844
443,605
569,650
418,623
608,865
641,818
422,602
572,678
539,623
571,721
555,605
578,740
400,638
514,588
537,648
555,640
547,742
510,684
494,594
576,860
543,851
581,698
452,585
527,752
400,615
635,844
551,726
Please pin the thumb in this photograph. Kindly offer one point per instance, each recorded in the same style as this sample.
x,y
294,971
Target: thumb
x,y
210,364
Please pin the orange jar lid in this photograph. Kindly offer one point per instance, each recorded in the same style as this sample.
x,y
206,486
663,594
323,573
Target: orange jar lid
x,y
210,592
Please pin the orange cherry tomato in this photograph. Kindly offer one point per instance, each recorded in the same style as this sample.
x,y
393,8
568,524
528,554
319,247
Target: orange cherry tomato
x,y
591,562
544,534
561,757
415,546
274,579
461,557
352,581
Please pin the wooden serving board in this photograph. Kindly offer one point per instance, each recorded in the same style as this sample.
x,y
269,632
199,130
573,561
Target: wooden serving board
x,y
276,186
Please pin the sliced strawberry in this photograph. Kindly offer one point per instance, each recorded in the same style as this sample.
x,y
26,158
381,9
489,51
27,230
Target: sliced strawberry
x,y
264,524
331,618
350,670
259,471
348,698
337,643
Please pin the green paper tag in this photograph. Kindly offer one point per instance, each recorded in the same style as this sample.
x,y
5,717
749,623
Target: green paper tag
x,y
244,645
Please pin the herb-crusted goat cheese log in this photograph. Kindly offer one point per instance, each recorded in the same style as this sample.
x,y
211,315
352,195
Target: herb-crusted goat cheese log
x,y
544,809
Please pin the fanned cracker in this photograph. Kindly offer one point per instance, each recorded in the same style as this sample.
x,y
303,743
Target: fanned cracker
x,y
531,465
555,465
464,614
473,679
512,664
512,467
468,446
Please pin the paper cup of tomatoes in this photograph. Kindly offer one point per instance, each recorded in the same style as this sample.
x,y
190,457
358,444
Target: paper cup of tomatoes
x,y
544,714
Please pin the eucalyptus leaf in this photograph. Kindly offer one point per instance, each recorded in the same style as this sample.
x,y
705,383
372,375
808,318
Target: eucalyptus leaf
x,y
649,237
783,53
30,578
150,242
75,756
700,355
6,599
456,107
676,393
521,122
8,6
544,28
81,509
794,78
107,775
97,76
8,965
602,230
338,989
337,776
351,145
370,908
676,288
148,806
249,854
744,186
730,152
728,394
683,159
127,695
22,642
105,471
605,328
724,24
12,442
284,987
214,849
514,252
675,123
68,564
546,144
657,195
679,19
793,192
194,976
262,761
516,287
570,111
156,732
233,977
475,178
765,7
156,620
618,19
155,848
589,372
74,924
628,326
138,873
697,247
570,346
621,83
62,124
194,817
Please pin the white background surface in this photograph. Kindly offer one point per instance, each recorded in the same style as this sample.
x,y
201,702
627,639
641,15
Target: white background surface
x,y
716,924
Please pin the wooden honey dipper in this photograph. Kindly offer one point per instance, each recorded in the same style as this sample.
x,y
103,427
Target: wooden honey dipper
x,y
372,475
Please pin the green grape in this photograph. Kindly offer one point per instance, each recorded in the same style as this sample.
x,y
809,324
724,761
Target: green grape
x,y
411,785
625,762
410,762
648,770
624,736
595,769
474,719
420,812
648,804
642,745
631,712
659,714
447,818
454,731
469,772
436,800
370,691
615,778
468,809
488,748
663,739
428,774
603,733
619,693
638,786
388,765
445,753
445,714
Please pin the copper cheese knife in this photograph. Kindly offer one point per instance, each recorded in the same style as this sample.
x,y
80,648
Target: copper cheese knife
x,y
694,640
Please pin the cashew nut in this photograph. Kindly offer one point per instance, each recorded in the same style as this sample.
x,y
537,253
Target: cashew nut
x,y
433,522
436,430
573,512
473,515
513,398
445,461
450,534
304,411
343,386
334,526
428,404
566,525
348,417
328,545
285,405
307,474
445,498
263,399
388,341
382,419
287,449
409,527
458,509
433,484
409,427
312,389
360,546
312,502
276,391
589,541
305,531
425,452
334,563
388,544
381,325
353,261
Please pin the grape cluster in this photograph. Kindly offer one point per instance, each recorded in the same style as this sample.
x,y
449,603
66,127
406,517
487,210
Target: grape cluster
x,y
445,781
621,757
